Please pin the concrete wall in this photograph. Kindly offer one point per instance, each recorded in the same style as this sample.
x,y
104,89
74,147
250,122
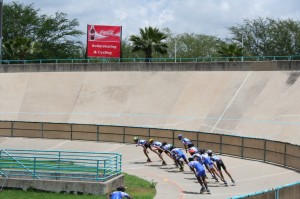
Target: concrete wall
x,y
154,66
60,186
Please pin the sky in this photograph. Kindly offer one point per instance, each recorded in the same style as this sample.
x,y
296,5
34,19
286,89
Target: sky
x,y
210,17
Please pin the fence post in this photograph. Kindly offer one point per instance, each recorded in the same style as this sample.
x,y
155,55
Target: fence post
x,y
148,133
104,171
173,139
242,149
123,134
34,167
97,133
71,132
265,150
97,177
284,163
120,162
276,193
12,130
42,126
221,143
197,139
59,160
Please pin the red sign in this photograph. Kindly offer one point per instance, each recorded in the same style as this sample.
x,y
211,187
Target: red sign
x,y
104,41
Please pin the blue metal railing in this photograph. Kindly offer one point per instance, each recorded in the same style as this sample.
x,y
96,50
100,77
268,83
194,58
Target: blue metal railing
x,y
274,191
195,59
59,165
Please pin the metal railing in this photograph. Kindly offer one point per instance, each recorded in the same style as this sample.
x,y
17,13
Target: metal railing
x,y
59,165
180,60
288,191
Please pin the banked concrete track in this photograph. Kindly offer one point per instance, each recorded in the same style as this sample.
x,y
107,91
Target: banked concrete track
x,y
262,104
253,103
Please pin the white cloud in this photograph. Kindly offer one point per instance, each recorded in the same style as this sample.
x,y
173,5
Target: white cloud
x,y
211,17
165,17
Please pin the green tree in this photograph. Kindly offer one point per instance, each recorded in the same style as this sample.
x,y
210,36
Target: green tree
x,y
230,50
21,48
127,53
150,40
57,35
268,37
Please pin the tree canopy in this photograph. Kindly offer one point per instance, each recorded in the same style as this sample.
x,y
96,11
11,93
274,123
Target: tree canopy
x,y
39,36
30,35
191,45
150,40
230,50
268,37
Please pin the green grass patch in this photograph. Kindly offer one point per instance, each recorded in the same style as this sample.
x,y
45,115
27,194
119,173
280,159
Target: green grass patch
x,y
136,187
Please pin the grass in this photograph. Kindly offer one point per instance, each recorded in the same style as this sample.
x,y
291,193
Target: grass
x,y
136,188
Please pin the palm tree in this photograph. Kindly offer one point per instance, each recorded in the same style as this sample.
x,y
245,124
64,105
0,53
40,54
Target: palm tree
x,y
231,50
150,40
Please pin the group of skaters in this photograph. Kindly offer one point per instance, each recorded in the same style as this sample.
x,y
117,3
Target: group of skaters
x,y
199,160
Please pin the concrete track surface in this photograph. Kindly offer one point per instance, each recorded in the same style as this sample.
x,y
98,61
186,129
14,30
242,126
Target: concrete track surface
x,y
262,104
250,175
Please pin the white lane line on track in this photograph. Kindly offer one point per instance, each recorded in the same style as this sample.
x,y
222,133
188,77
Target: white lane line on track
x,y
233,98
58,145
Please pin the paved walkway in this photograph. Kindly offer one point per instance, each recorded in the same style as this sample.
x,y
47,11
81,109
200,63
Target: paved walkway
x,y
250,176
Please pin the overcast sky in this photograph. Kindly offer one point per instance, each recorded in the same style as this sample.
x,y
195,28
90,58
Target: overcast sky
x,y
211,17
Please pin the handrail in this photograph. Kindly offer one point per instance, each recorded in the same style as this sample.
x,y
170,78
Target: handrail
x,y
276,190
2,173
20,163
168,59
86,166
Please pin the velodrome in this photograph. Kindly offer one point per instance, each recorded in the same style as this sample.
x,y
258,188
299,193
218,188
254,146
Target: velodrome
x,y
257,102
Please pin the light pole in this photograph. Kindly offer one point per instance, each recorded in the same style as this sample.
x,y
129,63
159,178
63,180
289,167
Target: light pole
x,y
242,47
175,50
1,16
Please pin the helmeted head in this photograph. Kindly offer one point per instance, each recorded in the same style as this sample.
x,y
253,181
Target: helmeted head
x,y
199,157
179,136
135,139
192,150
164,143
191,159
190,145
209,152
151,141
202,151
121,188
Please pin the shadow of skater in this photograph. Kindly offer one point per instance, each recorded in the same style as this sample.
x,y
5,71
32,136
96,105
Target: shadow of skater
x,y
191,192
138,162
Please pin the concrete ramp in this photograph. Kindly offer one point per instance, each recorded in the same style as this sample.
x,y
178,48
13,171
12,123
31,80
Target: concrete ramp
x,y
262,104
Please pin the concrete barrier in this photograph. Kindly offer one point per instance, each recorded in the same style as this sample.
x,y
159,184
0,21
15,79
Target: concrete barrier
x,y
153,66
60,186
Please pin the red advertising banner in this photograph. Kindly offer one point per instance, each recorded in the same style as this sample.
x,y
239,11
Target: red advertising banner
x,y
104,41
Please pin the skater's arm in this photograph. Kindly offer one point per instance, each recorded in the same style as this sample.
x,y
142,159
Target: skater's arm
x,y
193,170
